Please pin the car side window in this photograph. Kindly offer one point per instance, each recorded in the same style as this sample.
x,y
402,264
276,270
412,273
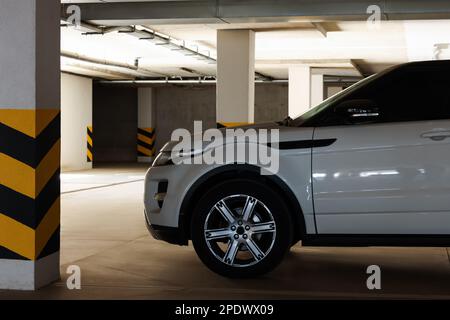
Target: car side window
x,y
406,94
439,94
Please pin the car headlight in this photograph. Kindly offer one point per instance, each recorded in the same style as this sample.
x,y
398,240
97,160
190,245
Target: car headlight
x,y
164,158
168,158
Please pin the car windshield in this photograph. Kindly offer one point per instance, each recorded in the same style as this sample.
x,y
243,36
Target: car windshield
x,y
331,100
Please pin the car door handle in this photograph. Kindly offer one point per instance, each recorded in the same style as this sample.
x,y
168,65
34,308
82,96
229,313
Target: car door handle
x,y
436,135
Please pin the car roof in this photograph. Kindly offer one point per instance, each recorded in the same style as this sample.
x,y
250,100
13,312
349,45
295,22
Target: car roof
x,y
427,63
431,64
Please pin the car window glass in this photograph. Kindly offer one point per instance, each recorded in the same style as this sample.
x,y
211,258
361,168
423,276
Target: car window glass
x,y
406,94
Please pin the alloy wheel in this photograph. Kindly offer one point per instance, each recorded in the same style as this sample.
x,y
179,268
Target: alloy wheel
x,y
240,230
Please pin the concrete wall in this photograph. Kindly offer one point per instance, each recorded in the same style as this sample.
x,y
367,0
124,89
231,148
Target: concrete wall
x,y
332,90
179,106
271,102
115,124
76,116
172,107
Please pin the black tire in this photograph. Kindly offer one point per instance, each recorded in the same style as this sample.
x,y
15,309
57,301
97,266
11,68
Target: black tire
x,y
280,240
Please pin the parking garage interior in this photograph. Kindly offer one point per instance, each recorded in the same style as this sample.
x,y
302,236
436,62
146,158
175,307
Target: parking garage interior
x,y
118,77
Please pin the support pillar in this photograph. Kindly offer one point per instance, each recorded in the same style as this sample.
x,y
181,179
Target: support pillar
x,y
317,91
29,143
299,90
235,77
305,90
146,138
76,123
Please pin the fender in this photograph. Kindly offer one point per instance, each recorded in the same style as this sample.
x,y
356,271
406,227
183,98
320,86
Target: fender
x,y
240,170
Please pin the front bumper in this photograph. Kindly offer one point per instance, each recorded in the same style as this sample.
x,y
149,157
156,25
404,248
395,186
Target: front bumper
x,y
167,234
165,190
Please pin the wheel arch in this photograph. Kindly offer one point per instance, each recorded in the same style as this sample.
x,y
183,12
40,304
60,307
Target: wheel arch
x,y
242,171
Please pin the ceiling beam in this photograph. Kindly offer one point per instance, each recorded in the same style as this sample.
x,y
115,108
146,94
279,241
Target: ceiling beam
x,y
203,11
357,67
222,11
319,27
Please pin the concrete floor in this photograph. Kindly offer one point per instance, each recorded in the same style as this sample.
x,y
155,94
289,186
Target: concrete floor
x,y
103,232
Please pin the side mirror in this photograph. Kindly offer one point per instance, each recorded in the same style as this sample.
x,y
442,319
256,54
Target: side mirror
x,y
358,110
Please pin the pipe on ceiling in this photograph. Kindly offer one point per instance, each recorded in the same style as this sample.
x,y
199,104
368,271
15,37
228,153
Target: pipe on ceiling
x,y
146,34
205,82
141,71
331,80
76,56
105,71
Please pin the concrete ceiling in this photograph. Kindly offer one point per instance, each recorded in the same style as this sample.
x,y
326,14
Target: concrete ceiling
x,y
342,48
236,11
109,1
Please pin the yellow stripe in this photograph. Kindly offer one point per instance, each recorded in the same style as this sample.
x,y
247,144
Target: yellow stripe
x,y
149,130
90,142
24,179
48,226
25,241
48,166
145,151
89,155
43,119
234,124
17,176
29,122
17,237
89,139
145,139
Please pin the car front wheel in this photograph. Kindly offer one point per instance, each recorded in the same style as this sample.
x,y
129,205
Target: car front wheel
x,y
241,228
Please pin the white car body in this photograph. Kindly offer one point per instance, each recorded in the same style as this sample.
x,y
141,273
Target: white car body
x,y
363,184
182,177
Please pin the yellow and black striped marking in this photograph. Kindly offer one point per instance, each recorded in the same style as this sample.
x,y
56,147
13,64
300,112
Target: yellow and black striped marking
x,y
29,183
90,144
221,125
146,142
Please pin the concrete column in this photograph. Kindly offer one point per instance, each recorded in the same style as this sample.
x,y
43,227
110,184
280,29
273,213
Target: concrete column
x,y
235,77
306,90
76,118
317,90
146,126
29,143
299,90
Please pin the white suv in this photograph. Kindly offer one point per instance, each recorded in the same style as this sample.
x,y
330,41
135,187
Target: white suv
x,y
369,166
